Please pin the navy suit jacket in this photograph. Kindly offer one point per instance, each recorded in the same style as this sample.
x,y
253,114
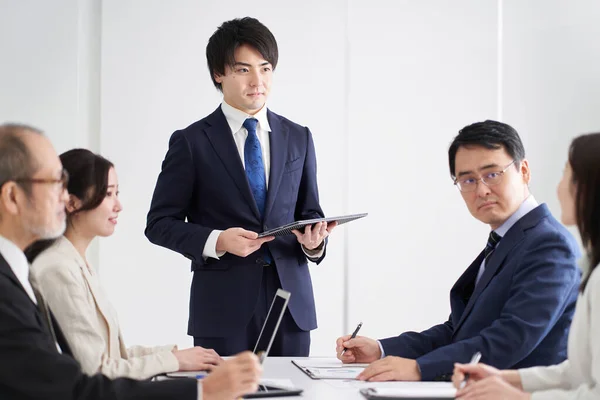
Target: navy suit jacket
x,y
203,180
520,312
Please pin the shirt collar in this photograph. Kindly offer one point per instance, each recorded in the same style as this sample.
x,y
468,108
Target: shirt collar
x,y
529,204
16,260
235,118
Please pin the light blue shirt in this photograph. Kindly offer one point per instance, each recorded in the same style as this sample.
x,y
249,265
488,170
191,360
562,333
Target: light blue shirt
x,y
528,205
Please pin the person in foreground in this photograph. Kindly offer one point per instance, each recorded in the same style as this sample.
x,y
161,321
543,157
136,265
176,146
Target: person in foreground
x,y
579,376
514,304
241,170
69,285
36,361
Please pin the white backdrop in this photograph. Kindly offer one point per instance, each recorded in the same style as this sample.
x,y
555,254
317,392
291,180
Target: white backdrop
x,y
384,87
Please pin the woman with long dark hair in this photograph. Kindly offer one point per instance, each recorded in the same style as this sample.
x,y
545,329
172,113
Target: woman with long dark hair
x,y
62,274
579,376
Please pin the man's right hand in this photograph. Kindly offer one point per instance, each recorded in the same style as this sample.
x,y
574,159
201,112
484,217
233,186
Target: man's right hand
x,y
358,350
233,378
240,242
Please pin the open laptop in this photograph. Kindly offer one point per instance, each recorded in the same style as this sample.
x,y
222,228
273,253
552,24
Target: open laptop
x,y
262,348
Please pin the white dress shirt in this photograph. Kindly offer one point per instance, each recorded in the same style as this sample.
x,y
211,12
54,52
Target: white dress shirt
x,y
18,263
235,119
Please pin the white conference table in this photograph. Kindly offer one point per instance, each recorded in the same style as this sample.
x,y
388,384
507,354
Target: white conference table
x,y
282,368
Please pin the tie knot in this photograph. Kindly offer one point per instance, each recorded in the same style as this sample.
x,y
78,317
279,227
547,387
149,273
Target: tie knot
x,y
250,124
493,239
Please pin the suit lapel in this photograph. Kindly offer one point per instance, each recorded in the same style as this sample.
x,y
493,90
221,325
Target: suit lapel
x,y
6,270
514,235
99,300
220,136
278,148
492,265
462,291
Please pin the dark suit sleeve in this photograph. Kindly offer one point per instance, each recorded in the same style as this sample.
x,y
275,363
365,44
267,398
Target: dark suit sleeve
x,y
415,344
31,368
543,285
307,205
166,225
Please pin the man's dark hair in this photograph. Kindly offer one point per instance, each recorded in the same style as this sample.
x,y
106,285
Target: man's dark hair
x,y
88,181
585,164
16,159
491,135
232,34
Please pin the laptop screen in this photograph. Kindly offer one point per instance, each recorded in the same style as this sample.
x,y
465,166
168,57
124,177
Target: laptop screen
x,y
271,325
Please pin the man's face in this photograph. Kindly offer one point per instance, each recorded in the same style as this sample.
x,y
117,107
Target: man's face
x,y
246,85
43,215
492,204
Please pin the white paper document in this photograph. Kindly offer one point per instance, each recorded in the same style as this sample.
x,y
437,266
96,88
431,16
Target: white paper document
x,y
329,368
412,390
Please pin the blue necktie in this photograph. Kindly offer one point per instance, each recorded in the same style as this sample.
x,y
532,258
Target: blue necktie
x,y
255,171
255,168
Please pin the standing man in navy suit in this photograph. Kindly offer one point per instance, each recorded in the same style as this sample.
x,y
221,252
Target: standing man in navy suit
x,y
514,304
242,170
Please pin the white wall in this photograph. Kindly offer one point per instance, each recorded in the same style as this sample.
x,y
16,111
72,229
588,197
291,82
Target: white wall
x,y
551,81
384,86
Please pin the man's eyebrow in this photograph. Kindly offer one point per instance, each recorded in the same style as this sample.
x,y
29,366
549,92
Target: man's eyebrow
x,y
249,65
487,166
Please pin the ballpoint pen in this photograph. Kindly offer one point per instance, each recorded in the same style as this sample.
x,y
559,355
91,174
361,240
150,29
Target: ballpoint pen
x,y
353,335
474,360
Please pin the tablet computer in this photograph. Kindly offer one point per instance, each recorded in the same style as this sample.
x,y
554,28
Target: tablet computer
x,y
287,229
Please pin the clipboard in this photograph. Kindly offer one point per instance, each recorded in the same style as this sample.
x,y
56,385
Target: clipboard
x,y
328,368
415,393
287,229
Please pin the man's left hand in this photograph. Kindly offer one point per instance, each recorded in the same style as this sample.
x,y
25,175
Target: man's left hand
x,y
391,369
314,235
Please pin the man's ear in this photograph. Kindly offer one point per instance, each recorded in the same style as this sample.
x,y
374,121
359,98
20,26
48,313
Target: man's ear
x,y
218,78
525,171
9,197
73,204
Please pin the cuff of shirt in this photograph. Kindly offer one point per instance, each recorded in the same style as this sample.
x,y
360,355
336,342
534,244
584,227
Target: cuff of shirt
x,y
381,348
210,247
314,256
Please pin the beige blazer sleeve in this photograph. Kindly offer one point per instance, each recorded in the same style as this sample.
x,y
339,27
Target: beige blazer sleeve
x,y
139,351
61,282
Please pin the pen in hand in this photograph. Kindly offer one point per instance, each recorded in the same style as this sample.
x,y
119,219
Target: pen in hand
x,y
353,335
474,360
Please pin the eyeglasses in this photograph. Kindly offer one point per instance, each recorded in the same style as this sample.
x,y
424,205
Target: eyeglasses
x,y
63,181
469,183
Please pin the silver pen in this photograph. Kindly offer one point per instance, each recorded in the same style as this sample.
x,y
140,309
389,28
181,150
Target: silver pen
x,y
474,360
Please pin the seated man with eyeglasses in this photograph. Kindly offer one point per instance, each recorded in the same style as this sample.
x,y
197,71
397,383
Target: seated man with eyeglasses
x,y
515,302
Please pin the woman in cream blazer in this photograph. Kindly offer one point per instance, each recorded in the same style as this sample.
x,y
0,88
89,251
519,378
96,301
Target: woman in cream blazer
x,y
72,290
579,376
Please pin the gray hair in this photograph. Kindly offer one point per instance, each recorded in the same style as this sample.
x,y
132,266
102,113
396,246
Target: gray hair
x,y
16,159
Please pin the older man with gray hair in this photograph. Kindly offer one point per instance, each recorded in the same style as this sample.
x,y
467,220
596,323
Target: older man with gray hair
x,y
35,361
